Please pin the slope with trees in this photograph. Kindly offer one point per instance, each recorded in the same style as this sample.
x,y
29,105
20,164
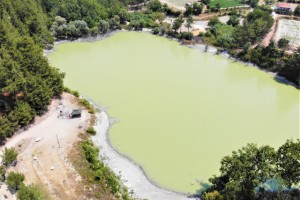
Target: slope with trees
x,y
27,81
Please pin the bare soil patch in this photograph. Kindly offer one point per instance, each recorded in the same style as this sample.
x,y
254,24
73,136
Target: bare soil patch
x,y
45,146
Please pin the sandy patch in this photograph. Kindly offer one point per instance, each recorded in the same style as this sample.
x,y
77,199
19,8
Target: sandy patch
x,y
44,147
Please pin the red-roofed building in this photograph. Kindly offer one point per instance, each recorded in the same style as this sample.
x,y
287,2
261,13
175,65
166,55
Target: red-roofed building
x,y
283,6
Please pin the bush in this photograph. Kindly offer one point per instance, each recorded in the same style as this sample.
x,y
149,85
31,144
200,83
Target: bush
x,y
91,131
29,193
103,26
2,173
215,195
156,31
87,105
94,31
186,35
15,180
9,156
170,11
66,89
283,43
100,171
297,11
155,6
75,93
90,152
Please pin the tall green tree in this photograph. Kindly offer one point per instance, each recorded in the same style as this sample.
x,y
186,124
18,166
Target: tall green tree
x,y
256,25
177,23
189,22
243,171
197,8
288,162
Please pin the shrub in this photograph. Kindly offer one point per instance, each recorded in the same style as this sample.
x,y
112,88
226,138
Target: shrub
x,y
66,89
297,11
9,156
2,173
91,131
75,93
100,171
90,152
156,31
186,35
15,180
283,43
87,105
215,195
29,193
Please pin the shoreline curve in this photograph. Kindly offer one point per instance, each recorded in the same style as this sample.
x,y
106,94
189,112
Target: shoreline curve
x,y
131,174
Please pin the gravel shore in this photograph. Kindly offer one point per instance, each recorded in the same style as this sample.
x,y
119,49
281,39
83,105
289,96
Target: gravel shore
x,y
132,175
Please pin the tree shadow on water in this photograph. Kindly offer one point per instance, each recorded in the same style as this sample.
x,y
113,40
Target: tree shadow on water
x,y
283,80
203,187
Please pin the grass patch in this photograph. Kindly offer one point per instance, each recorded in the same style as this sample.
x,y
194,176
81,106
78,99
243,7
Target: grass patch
x,y
74,92
225,3
95,174
87,105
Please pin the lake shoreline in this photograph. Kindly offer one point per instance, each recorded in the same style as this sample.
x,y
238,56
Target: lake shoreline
x,y
198,46
107,81
132,175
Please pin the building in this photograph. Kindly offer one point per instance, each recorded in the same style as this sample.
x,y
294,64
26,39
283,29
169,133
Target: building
x,y
284,7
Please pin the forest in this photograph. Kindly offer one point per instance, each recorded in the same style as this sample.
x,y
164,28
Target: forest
x,y
27,81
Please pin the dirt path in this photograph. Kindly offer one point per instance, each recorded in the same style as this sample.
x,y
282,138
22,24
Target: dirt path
x,y
270,35
131,174
44,147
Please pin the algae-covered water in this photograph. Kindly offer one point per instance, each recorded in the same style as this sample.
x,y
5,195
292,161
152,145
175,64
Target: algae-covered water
x,y
179,111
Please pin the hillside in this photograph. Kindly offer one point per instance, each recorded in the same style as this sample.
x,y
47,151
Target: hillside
x,y
27,81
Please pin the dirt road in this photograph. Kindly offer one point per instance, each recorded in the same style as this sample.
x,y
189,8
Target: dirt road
x,y
44,147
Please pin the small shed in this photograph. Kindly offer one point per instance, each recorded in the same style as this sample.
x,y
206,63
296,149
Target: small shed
x,y
75,113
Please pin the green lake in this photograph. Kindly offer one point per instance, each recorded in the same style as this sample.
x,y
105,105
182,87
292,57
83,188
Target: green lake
x,y
178,110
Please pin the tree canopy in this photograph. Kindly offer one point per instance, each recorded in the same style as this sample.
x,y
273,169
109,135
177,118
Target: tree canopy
x,y
27,81
15,180
9,156
29,193
244,173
